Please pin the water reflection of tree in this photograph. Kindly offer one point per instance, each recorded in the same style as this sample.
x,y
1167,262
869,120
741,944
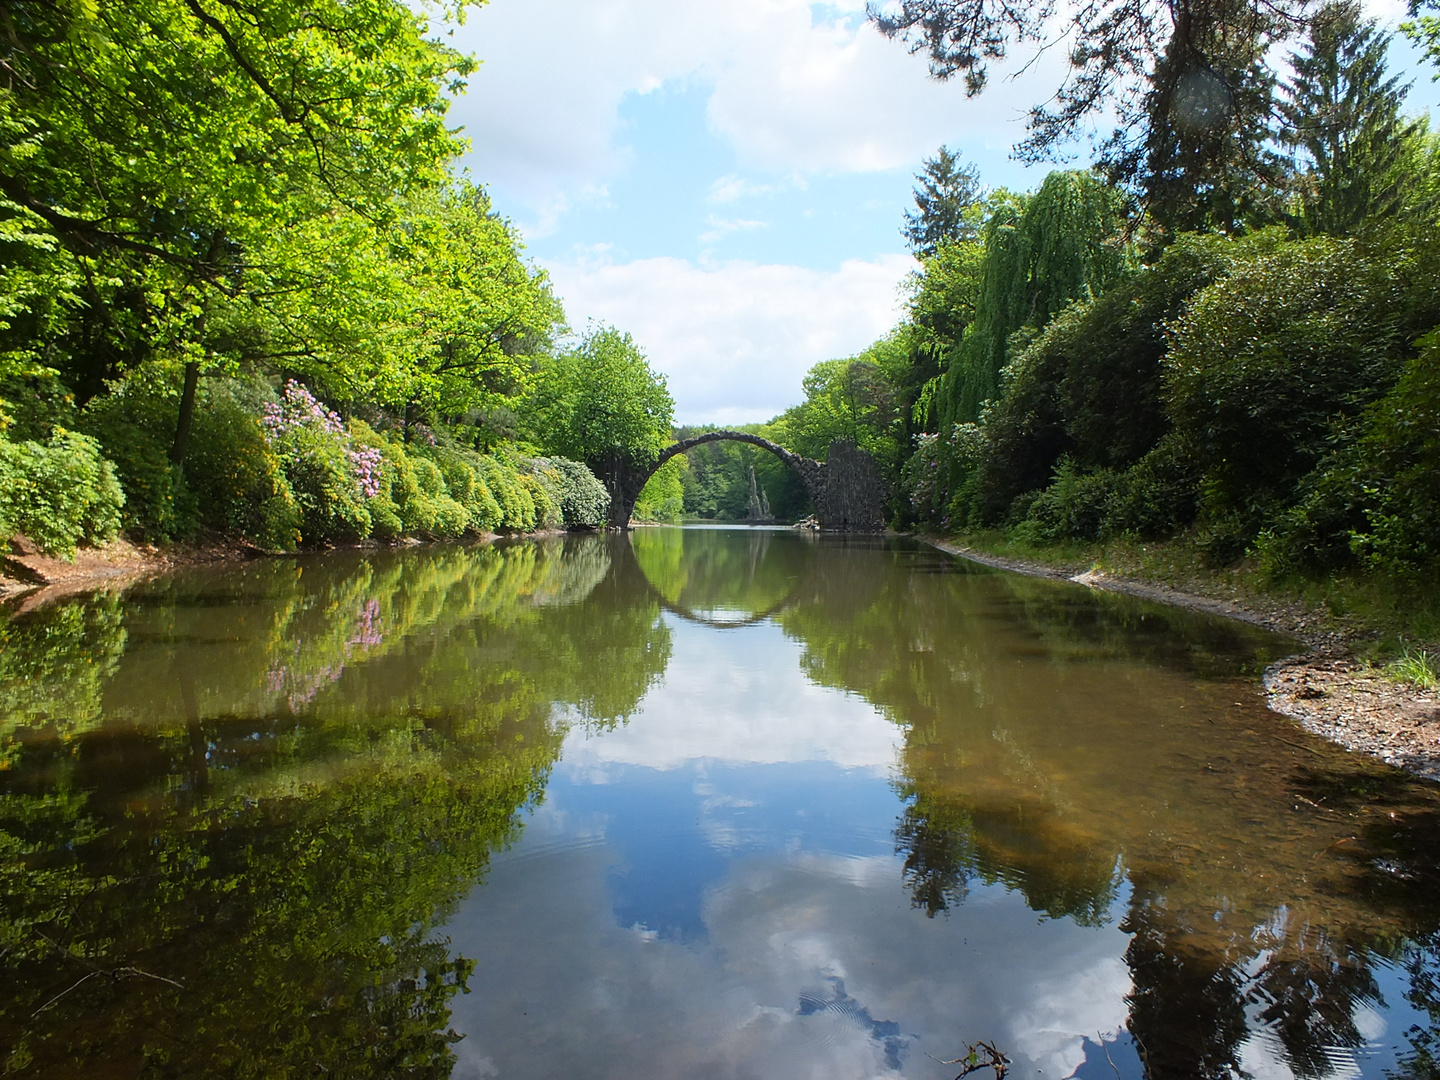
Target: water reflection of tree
x,y
1067,744
205,874
752,572
1422,962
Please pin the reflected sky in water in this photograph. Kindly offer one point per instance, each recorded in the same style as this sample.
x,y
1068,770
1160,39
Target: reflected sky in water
x,y
688,803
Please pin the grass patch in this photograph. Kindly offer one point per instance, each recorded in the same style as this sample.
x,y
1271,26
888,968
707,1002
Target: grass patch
x,y
1417,666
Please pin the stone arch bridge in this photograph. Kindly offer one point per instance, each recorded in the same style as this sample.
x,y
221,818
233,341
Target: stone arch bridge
x,y
846,488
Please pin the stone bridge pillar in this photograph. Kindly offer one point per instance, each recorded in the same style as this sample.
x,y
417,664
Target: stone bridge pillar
x,y
852,495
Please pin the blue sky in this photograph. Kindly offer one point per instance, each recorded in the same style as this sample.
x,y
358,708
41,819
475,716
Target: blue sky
x,y
726,180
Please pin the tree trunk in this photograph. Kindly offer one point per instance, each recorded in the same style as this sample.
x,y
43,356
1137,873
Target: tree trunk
x,y
187,417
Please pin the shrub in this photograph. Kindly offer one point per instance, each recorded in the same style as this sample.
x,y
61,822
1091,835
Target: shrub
x,y
329,478
237,480
135,426
59,492
940,476
1089,387
1156,495
1377,498
517,506
544,492
1073,506
584,502
1267,365
1024,431
464,471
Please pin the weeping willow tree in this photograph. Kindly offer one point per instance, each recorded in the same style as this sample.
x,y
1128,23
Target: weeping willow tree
x,y
1061,244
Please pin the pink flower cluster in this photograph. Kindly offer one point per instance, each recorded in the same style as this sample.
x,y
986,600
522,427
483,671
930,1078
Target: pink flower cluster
x,y
301,688
367,626
297,408
366,461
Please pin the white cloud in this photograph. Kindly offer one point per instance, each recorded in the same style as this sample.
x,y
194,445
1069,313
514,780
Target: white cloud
x,y
561,989
735,338
732,186
720,226
723,701
790,92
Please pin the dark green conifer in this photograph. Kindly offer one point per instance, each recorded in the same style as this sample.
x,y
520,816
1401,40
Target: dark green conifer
x,y
946,189
1342,121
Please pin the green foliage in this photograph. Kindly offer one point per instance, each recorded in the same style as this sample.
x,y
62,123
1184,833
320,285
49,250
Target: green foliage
x,y
229,135
1062,244
1090,387
663,497
514,499
1342,115
1418,667
1149,499
479,318
318,468
133,425
601,403
716,476
234,475
1376,498
1268,364
844,399
1424,29
1204,160
581,499
945,196
58,492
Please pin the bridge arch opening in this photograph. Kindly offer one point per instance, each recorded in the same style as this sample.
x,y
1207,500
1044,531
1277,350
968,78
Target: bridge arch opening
x,y
847,489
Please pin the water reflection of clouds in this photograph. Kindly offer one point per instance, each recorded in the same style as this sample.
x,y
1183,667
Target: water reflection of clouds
x,y
562,989
726,698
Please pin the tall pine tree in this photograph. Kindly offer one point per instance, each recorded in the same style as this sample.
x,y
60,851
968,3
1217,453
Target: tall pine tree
x,y
1342,121
946,189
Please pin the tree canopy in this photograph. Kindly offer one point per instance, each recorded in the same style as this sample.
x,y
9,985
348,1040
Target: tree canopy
x,y
601,403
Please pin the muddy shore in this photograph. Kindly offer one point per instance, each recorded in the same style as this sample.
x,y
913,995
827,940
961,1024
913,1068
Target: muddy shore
x,y
1324,689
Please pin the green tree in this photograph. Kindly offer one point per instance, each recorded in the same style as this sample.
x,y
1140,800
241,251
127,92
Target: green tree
x,y
844,399
1271,363
479,317
1342,120
1063,243
601,403
166,150
945,198
1204,157
1158,68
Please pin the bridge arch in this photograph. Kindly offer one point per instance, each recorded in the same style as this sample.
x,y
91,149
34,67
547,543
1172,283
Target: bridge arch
x,y
846,488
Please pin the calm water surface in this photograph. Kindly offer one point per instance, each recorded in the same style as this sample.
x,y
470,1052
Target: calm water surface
x,y
691,803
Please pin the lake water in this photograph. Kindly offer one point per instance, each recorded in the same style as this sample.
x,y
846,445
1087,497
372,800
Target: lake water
x,y
687,803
